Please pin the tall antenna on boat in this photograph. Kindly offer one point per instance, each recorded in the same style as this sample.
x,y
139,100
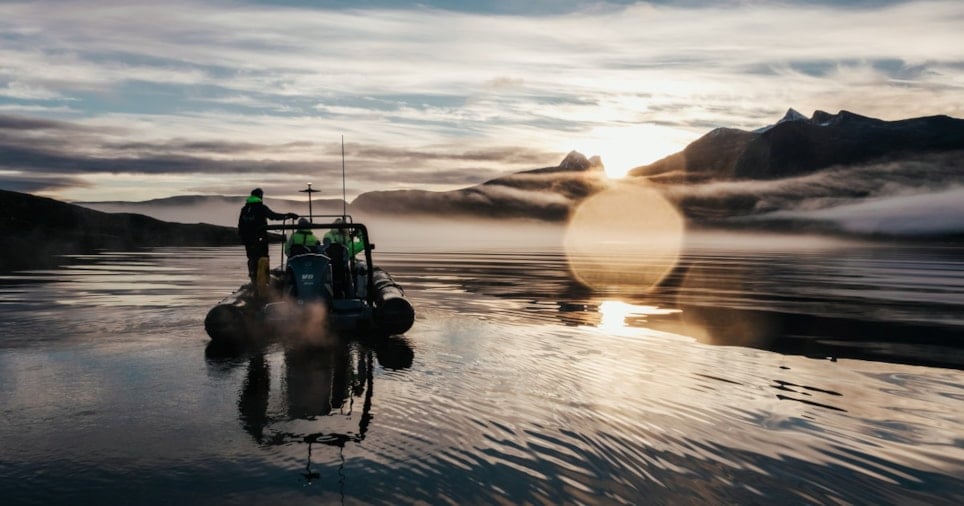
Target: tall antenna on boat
x,y
309,191
344,199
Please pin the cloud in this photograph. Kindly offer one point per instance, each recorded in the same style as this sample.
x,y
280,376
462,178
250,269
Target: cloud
x,y
888,197
19,123
207,82
64,153
17,90
38,183
933,212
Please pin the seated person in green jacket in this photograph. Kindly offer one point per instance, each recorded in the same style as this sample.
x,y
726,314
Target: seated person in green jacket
x,y
302,241
353,245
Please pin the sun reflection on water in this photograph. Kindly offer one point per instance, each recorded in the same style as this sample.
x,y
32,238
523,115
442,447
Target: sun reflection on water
x,y
620,317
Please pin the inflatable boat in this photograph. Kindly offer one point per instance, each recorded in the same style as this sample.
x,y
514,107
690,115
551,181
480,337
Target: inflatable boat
x,y
330,287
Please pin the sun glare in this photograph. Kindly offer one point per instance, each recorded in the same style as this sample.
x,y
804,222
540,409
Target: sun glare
x,y
627,236
625,148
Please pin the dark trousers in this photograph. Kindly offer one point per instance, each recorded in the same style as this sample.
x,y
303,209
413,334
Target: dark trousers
x,y
255,250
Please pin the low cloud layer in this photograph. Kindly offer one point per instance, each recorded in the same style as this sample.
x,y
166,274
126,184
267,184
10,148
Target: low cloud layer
x,y
920,195
938,212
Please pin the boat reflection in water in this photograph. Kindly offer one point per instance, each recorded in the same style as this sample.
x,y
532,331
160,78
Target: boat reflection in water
x,y
320,393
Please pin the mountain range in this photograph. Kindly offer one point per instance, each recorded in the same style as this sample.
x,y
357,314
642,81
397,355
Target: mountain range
x,y
797,145
837,173
840,173
831,172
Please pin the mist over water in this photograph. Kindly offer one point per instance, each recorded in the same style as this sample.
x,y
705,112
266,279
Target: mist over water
x,y
761,369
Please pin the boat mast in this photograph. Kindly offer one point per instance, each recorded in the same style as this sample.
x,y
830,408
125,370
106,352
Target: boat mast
x,y
344,199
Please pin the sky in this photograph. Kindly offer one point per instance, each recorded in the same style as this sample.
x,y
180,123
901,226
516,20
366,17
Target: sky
x,y
127,100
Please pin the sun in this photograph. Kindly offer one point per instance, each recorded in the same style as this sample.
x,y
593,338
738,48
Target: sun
x,y
623,148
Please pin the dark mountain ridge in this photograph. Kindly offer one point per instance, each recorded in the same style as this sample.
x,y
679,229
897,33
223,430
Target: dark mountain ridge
x,y
796,145
36,229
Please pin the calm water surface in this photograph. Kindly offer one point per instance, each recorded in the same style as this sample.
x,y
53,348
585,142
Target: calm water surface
x,y
821,376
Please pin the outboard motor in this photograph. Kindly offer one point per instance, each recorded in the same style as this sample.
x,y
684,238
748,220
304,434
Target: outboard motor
x,y
309,278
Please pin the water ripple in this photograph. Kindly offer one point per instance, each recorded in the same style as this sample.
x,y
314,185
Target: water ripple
x,y
521,387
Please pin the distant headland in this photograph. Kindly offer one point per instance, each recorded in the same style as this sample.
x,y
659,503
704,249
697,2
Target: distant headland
x,y
35,230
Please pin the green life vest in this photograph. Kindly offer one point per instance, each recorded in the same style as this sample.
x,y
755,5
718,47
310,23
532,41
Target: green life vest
x,y
301,238
354,245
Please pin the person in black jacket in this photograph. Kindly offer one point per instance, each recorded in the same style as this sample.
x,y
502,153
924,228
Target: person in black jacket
x,y
251,227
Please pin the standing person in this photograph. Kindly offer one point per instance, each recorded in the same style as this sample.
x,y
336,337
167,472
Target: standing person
x,y
251,227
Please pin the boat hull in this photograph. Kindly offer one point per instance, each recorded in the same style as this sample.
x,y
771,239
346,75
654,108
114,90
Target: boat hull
x,y
245,316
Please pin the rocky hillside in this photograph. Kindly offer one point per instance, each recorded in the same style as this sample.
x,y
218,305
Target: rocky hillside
x,y
797,145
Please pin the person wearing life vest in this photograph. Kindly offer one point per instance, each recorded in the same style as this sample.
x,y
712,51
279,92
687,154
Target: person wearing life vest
x,y
302,241
342,247
251,228
353,245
